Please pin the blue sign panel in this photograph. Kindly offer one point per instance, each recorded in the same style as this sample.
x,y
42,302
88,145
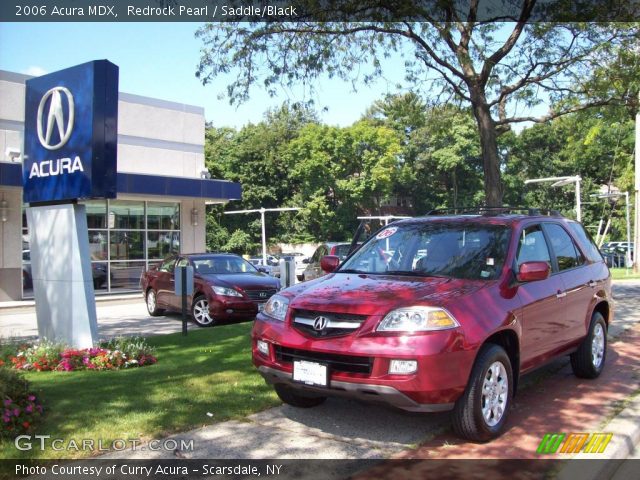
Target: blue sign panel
x,y
71,134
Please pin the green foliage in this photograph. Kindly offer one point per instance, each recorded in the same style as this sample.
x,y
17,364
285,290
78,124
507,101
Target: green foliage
x,y
132,347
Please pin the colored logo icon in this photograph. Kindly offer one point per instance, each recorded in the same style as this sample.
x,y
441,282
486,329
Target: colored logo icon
x,y
574,443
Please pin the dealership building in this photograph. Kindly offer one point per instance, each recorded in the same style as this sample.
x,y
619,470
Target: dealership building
x,y
163,188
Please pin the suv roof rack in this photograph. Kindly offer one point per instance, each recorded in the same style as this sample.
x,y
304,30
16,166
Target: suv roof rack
x,y
495,211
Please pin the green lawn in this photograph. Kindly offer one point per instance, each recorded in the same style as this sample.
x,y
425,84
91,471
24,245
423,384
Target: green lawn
x,y
622,273
209,371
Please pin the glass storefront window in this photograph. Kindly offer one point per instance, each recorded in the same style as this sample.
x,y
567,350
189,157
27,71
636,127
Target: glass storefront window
x,y
163,216
125,236
126,215
98,244
161,244
126,275
126,245
96,214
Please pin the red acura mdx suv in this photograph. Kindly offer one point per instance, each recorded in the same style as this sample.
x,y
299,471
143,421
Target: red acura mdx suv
x,y
441,313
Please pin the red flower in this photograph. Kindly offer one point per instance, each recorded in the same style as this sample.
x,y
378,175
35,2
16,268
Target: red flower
x,y
26,425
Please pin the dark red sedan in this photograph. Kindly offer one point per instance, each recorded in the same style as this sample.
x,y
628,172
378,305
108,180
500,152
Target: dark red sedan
x,y
226,287
441,313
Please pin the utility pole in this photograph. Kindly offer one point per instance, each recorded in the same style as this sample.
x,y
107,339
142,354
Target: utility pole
x,y
636,236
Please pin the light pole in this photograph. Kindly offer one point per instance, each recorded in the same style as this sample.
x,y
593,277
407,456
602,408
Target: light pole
x,y
559,182
626,197
636,263
262,212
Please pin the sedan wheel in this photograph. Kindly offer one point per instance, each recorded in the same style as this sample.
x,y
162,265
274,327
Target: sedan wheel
x,y
200,312
152,303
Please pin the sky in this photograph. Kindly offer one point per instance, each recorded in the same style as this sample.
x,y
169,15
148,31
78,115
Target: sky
x,y
160,60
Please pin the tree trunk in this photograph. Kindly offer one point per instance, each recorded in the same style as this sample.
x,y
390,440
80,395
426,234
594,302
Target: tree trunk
x,y
489,144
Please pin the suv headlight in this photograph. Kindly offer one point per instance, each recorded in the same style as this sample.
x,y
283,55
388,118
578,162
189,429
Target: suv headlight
x,y
227,292
417,319
276,307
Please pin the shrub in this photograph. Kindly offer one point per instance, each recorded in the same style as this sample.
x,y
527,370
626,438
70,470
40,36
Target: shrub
x,y
20,410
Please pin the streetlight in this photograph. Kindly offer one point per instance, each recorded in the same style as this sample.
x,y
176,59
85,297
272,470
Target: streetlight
x,y
559,182
262,212
626,197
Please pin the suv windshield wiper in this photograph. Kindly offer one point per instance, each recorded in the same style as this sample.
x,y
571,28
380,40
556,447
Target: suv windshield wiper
x,y
351,270
411,273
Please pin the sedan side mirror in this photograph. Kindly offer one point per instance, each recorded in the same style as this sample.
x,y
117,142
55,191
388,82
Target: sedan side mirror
x,y
305,260
533,271
329,263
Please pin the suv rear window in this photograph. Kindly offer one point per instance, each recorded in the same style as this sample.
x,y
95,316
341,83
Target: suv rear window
x,y
451,250
587,243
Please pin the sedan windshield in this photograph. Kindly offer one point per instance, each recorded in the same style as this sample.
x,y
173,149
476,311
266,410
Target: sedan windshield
x,y
451,250
220,265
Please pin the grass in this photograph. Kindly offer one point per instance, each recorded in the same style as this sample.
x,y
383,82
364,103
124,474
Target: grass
x,y
623,273
209,371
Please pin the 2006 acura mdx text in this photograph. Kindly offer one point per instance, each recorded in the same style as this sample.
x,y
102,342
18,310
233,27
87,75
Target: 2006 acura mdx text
x,y
441,313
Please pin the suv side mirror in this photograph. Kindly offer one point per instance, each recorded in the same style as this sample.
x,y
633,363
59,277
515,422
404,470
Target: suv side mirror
x,y
329,263
533,271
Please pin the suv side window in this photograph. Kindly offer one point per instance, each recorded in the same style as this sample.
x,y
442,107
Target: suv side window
x,y
567,254
589,245
315,258
533,246
168,265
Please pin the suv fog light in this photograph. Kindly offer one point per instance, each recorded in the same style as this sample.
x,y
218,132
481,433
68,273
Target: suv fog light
x,y
403,367
263,347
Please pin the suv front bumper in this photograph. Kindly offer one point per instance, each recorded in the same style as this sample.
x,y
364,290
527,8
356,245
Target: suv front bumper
x,y
358,391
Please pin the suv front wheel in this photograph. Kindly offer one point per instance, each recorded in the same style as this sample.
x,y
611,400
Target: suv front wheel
x,y
588,360
481,412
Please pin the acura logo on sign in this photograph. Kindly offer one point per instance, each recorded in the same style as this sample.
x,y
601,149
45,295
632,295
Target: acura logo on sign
x,y
55,117
320,323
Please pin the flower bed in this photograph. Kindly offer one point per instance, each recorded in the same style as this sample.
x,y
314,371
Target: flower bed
x,y
20,410
113,355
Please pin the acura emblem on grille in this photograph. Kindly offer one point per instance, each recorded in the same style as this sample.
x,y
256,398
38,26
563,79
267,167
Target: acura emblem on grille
x,y
320,323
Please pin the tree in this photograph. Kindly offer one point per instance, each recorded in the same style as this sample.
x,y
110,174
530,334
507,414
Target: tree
x,y
495,68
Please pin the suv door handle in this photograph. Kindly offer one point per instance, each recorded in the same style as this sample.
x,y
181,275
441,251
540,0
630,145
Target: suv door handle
x,y
561,294
592,284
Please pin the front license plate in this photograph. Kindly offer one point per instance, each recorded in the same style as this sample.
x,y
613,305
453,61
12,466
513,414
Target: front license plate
x,y
310,373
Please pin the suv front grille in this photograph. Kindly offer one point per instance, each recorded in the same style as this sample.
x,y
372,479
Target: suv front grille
x,y
337,363
337,324
260,295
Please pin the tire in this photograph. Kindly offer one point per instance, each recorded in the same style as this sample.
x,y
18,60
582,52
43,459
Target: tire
x,y
200,312
288,396
152,303
588,360
480,416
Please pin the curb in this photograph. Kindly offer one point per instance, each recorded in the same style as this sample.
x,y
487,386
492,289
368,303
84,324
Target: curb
x,y
625,428
6,307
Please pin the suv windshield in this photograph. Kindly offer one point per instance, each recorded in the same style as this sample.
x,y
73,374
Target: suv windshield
x,y
452,250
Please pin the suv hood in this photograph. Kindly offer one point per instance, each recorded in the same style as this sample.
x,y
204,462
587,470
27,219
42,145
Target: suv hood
x,y
366,294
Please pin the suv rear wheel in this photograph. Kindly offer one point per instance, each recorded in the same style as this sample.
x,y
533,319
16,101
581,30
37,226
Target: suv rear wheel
x,y
290,397
481,412
588,360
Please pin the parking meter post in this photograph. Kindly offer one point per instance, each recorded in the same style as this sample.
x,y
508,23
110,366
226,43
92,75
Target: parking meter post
x,y
183,274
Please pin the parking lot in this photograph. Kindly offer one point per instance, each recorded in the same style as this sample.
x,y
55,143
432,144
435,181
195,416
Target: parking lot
x,y
348,429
